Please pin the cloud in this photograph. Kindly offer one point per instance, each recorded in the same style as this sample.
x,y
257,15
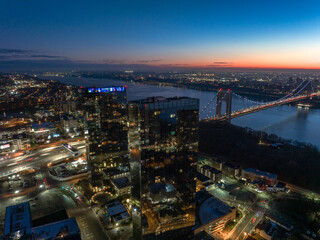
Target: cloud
x,y
222,63
18,54
13,51
47,56
128,61
113,61
149,61
4,57
174,65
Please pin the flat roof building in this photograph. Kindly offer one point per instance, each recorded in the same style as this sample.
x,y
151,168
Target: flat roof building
x,y
212,214
122,185
18,221
18,225
117,212
255,174
64,229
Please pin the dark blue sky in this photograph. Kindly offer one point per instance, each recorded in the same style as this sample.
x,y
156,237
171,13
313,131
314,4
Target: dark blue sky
x,y
235,33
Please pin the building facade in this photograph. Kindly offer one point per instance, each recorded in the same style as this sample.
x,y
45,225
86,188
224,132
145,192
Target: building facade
x,y
163,139
212,173
106,119
212,214
258,175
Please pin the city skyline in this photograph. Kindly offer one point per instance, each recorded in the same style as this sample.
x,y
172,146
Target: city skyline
x,y
141,34
158,120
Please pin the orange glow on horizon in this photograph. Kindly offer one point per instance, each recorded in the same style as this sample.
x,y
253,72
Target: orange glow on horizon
x,y
262,66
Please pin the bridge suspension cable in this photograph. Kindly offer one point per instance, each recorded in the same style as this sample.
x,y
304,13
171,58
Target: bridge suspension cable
x,y
207,105
302,89
210,111
291,94
284,97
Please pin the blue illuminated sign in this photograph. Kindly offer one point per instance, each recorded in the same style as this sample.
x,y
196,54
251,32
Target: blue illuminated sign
x,y
107,89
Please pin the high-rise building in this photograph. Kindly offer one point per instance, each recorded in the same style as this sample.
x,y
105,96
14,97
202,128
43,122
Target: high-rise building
x,y
163,139
106,119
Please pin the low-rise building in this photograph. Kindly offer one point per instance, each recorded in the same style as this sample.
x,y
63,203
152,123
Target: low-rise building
x,y
20,141
211,213
117,212
255,174
122,186
18,221
231,169
212,173
68,122
65,229
43,131
225,167
18,225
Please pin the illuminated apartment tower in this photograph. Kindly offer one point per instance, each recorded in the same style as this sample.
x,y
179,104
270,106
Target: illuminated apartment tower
x,y
163,139
106,119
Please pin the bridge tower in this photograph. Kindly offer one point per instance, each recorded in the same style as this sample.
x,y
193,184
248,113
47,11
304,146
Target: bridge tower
x,y
224,95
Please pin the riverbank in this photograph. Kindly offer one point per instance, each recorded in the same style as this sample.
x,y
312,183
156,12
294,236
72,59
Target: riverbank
x,y
286,121
294,162
256,94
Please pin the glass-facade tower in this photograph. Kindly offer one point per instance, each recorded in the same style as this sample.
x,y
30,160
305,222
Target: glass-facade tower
x,y
106,126
163,139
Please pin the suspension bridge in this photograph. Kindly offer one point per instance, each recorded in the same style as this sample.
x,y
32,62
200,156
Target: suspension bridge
x,y
303,91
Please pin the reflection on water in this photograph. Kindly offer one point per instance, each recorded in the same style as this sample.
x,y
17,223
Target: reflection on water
x,y
285,121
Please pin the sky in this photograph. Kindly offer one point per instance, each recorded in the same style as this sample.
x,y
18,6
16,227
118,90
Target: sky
x,y
163,33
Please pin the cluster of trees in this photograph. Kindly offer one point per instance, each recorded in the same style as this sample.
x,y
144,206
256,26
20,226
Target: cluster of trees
x,y
303,211
294,162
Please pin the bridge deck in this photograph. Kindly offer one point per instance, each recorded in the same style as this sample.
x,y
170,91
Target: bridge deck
x,y
263,107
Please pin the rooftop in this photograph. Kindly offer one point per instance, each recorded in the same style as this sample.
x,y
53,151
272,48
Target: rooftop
x,y
47,219
17,218
202,178
115,208
122,182
57,230
211,169
261,173
122,216
43,125
212,209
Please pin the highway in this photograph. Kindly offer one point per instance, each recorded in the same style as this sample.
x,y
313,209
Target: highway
x,y
50,198
37,159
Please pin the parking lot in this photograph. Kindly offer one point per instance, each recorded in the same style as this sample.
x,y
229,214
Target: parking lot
x,y
17,183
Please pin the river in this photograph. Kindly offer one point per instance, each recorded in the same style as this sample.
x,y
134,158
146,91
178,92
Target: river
x,y
285,121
